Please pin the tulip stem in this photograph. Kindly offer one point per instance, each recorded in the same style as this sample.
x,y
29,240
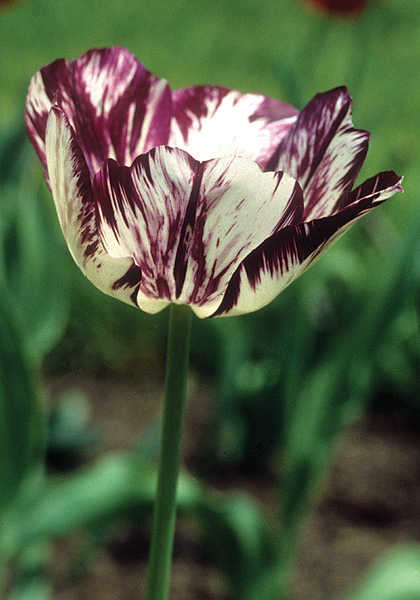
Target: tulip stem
x,y
163,531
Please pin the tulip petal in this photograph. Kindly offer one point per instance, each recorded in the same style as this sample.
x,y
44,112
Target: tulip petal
x,y
211,122
323,152
288,253
72,192
189,224
118,108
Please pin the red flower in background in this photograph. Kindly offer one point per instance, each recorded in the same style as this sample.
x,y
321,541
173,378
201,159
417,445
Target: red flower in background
x,y
339,7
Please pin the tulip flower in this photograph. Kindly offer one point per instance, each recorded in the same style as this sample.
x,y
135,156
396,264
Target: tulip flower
x,y
202,196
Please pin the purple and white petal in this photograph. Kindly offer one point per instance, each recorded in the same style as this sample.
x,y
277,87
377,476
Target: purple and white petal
x,y
188,225
288,253
118,108
239,207
377,188
211,122
72,193
324,152
140,214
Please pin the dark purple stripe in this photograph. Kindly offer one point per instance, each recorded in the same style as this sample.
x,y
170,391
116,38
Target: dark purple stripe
x,y
187,232
293,213
130,280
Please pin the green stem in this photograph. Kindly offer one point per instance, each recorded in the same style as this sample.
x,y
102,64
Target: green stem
x,y
160,559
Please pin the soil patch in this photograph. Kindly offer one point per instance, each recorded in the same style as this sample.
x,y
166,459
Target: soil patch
x,y
370,503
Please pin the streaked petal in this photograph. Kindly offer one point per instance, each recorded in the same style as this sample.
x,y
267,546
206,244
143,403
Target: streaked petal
x,y
140,212
288,253
72,192
118,108
188,224
211,122
324,152
377,188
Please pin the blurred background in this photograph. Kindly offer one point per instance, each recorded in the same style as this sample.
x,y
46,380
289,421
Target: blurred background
x,y
324,379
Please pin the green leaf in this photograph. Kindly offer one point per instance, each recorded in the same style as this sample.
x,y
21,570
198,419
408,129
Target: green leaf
x,y
32,258
32,581
37,276
237,535
22,426
119,486
397,577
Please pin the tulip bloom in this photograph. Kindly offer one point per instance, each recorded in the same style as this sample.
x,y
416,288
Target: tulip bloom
x,y
201,196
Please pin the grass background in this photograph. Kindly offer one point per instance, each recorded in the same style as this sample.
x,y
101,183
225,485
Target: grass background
x,y
278,48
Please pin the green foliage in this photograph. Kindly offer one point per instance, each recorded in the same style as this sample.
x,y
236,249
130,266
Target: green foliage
x,y
21,417
247,544
396,577
120,488
31,257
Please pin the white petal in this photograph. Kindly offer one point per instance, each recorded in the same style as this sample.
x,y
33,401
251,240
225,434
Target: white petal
x,y
72,193
211,122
